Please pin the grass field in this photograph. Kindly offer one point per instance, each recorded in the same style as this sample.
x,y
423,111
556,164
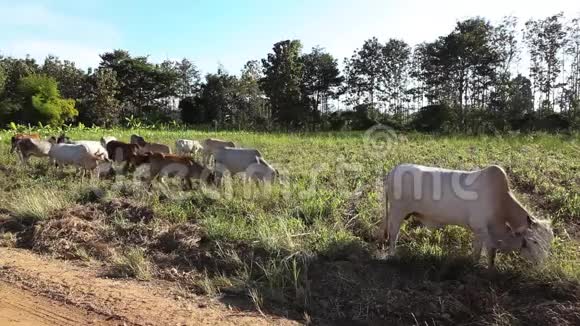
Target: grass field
x,y
304,248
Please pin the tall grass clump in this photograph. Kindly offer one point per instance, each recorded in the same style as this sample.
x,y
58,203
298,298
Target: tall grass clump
x,y
36,204
132,263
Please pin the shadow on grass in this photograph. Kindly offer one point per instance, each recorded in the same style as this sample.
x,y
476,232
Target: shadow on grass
x,y
408,290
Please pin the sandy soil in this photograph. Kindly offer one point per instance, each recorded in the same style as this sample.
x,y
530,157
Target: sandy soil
x,y
19,308
36,290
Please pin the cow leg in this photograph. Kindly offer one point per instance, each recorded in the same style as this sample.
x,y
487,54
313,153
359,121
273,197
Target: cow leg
x,y
21,157
24,159
395,217
491,253
479,238
188,183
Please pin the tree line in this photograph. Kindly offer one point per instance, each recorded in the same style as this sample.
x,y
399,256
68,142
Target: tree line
x,y
470,80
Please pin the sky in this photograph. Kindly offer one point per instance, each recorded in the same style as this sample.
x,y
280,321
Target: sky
x,y
229,33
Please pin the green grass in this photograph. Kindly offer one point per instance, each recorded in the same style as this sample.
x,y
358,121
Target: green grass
x,y
325,210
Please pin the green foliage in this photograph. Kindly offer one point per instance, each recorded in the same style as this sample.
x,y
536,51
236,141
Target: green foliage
x,y
42,102
101,106
283,71
433,118
469,69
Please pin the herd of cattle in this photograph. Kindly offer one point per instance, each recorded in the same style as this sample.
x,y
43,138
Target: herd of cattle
x,y
478,200
86,155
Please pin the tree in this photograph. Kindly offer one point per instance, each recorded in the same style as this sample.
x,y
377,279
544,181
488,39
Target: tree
x,y
68,77
545,38
321,79
282,83
363,72
188,82
144,88
15,70
218,100
192,110
572,104
42,102
459,68
394,79
253,111
104,104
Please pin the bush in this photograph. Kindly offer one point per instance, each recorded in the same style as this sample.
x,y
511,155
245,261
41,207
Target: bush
x,y
433,118
42,103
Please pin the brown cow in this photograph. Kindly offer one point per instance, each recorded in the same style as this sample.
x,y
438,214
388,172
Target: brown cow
x,y
174,165
119,151
18,137
145,147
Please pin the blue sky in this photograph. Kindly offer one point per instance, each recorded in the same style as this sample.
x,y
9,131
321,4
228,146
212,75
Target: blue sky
x,y
233,32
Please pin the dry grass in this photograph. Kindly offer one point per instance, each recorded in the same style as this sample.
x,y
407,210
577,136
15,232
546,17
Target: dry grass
x,y
132,263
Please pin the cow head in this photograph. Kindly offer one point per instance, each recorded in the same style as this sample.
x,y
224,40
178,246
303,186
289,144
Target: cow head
x,y
63,139
136,139
139,159
533,242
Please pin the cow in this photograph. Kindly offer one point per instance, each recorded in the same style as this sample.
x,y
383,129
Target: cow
x,y
250,161
27,147
211,146
119,151
145,147
95,147
18,137
186,168
479,200
106,139
187,146
78,155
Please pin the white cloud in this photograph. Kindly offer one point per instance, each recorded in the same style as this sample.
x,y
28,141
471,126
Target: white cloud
x,y
83,56
39,31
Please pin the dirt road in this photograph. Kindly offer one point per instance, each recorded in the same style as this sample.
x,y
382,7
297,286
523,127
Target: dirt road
x,y
34,290
20,308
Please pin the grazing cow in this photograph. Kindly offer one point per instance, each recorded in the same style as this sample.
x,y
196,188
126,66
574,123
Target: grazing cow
x,y
27,147
95,147
78,155
211,146
172,165
119,151
122,152
187,146
18,137
106,139
146,147
250,161
479,200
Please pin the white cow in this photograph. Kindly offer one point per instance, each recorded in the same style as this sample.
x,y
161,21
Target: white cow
x,y
95,147
480,201
211,146
78,155
250,161
187,146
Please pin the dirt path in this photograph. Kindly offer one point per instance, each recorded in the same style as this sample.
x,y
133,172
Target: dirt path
x,y
19,308
100,300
